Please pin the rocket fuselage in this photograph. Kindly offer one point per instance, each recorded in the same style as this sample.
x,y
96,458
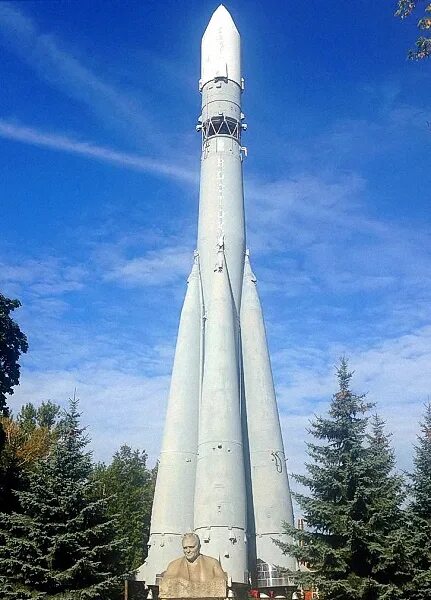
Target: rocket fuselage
x,y
220,495
221,225
222,462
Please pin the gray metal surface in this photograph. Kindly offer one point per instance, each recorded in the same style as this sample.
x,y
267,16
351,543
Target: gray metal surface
x,y
173,510
269,485
220,497
210,476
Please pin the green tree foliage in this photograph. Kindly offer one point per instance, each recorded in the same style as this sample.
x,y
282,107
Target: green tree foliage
x,y
418,524
353,503
129,486
421,477
46,415
423,44
12,344
386,520
60,543
27,438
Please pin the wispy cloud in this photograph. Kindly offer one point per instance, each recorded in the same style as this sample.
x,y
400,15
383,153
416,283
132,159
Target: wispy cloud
x,y
393,372
45,54
293,209
63,143
319,231
117,407
43,277
156,267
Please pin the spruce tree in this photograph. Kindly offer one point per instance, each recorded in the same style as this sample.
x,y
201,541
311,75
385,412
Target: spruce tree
x,y
418,525
60,541
352,503
386,519
28,437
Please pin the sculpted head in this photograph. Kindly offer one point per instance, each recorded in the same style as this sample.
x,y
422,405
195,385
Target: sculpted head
x,y
191,546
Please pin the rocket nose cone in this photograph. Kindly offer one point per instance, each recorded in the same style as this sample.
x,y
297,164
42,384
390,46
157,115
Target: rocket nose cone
x,y
221,52
221,17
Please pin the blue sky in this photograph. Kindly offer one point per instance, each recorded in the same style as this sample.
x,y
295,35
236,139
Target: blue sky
x,y
99,172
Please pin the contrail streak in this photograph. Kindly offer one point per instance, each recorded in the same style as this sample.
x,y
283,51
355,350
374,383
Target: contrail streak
x,y
63,143
61,69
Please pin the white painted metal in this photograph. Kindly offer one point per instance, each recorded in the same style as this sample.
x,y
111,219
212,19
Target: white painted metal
x,y
221,213
270,492
172,512
220,498
201,481
221,198
221,50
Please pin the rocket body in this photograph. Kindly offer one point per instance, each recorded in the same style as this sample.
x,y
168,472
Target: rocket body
x,y
222,470
172,513
267,460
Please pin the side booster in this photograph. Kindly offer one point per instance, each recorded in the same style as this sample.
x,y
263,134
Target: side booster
x,y
222,470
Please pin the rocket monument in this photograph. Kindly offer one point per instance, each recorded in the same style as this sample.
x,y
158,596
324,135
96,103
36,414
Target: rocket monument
x,y
222,471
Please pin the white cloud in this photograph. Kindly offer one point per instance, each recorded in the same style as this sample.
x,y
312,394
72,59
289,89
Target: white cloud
x,y
393,372
64,143
293,210
314,233
118,408
43,52
156,268
46,276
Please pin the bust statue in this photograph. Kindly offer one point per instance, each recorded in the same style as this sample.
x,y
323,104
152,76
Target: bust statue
x,y
194,575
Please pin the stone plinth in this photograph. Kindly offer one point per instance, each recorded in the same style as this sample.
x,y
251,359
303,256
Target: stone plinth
x,y
171,588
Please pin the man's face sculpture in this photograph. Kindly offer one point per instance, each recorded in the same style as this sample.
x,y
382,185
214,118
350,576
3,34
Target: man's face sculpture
x,y
191,548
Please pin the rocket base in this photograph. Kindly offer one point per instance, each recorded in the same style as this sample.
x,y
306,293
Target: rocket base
x,y
137,590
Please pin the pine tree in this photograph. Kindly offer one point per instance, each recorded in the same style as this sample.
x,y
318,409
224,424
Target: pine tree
x,y
59,542
418,526
27,438
45,415
129,485
353,502
388,549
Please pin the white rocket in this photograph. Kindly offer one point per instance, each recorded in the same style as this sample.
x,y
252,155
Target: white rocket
x,y
222,470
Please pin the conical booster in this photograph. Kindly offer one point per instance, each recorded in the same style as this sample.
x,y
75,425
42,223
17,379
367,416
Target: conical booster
x,y
173,502
269,497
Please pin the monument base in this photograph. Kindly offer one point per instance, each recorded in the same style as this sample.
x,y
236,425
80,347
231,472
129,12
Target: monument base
x,y
173,589
137,590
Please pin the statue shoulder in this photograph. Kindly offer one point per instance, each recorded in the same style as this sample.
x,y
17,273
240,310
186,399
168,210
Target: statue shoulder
x,y
215,565
210,559
174,564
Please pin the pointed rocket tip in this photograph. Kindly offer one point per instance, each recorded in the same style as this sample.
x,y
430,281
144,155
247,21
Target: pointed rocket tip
x,y
221,18
248,273
221,10
221,53
194,273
